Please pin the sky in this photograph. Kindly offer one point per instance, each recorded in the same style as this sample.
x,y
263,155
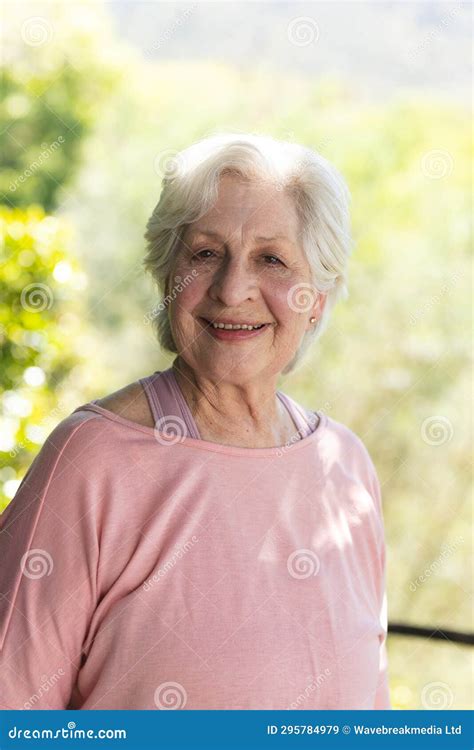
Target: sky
x,y
380,46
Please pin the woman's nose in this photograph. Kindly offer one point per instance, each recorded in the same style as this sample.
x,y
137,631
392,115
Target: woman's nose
x,y
233,283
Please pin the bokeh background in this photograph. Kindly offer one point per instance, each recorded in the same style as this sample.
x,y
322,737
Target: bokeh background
x,y
98,97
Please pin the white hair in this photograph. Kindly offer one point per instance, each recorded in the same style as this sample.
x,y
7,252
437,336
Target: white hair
x,y
320,195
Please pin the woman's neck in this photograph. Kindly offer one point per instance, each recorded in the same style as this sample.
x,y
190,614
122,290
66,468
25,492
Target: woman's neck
x,y
234,415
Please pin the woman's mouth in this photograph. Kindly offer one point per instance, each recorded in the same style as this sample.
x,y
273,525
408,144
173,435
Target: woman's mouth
x,y
225,332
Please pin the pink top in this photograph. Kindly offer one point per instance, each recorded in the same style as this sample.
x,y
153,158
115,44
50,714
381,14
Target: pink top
x,y
142,569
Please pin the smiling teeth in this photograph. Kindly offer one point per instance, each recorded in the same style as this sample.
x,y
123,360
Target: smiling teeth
x,y
238,327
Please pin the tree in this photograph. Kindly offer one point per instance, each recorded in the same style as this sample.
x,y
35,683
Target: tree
x,y
40,334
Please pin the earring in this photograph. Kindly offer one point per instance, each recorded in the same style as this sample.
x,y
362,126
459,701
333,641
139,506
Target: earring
x,y
312,320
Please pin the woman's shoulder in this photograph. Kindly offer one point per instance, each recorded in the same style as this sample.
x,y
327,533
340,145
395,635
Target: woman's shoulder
x,y
80,435
83,442
354,451
349,446
129,402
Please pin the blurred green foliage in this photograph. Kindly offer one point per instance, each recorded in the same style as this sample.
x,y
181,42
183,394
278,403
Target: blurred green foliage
x,y
394,364
40,333
56,74
51,95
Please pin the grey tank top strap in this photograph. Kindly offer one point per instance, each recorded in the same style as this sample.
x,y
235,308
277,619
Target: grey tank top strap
x,y
168,407
171,412
299,415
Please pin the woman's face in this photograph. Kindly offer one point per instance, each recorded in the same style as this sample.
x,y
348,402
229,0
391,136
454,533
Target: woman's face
x,y
243,263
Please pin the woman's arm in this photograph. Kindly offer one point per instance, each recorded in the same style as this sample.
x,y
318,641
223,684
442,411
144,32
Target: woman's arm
x,y
48,574
382,697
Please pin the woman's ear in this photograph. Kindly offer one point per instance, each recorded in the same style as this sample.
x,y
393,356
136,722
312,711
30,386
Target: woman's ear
x,y
316,311
320,304
318,308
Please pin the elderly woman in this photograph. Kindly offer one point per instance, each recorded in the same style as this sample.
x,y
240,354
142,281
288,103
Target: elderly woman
x,y
198,539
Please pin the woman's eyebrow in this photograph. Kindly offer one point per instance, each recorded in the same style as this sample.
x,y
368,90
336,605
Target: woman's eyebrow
x,y
207,232
275,237
211,233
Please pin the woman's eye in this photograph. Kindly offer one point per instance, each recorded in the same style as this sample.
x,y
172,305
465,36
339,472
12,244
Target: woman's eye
x,y
278,261
207,253
199,255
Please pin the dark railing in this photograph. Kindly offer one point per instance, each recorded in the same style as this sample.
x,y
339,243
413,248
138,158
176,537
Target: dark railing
x,y
440,634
